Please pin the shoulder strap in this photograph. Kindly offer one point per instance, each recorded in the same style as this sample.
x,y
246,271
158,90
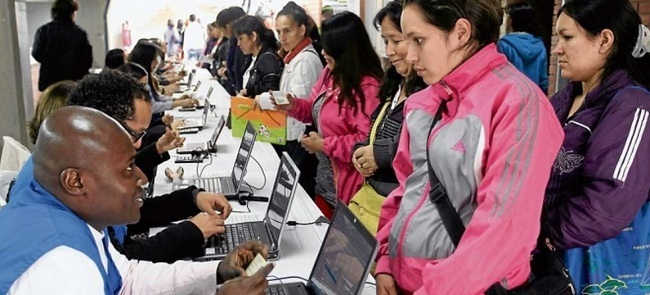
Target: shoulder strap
x,y
438,195
373,131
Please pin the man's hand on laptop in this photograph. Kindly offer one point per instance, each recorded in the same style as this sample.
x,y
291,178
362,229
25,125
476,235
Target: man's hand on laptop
x,y
237,260
255,284
209,224
209,202
169,141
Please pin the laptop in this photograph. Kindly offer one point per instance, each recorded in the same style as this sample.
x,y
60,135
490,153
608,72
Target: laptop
x,y
210,146
201,105
196,88
194,125
229,186
190,77
269,230
343,261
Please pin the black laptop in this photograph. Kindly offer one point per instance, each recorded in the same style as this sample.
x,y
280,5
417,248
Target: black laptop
x,y
343,261
227,185
268,231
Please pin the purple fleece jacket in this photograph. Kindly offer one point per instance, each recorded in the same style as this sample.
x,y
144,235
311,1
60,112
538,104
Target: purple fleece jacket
x,y
601,177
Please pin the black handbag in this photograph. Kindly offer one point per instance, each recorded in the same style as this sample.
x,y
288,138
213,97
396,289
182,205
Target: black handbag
x,y
549,275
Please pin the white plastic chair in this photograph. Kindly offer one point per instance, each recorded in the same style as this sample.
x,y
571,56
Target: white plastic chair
x,y
14,154
5,180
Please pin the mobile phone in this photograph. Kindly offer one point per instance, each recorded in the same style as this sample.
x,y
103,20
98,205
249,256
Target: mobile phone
x,y
280,98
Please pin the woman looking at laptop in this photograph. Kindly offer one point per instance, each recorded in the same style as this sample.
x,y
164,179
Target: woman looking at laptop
x,y
490,136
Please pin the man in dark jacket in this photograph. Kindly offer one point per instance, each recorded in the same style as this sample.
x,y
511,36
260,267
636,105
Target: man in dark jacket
x,y
125,100
62,47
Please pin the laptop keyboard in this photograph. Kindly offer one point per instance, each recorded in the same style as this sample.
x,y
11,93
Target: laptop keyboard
x,y
235,234
216,185
275,291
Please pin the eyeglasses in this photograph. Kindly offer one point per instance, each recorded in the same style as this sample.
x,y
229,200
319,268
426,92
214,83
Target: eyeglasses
x,y
135,136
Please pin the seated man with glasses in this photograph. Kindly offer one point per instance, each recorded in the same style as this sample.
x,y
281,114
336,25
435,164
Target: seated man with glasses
x,y
127,102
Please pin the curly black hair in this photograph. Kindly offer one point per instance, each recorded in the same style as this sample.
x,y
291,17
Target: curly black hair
x,y
111,92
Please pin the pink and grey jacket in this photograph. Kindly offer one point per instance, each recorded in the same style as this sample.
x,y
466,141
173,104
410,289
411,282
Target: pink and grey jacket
x,y
341,130
492,150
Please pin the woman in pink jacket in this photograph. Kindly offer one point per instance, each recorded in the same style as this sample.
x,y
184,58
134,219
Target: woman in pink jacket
x,y
492,150
339,107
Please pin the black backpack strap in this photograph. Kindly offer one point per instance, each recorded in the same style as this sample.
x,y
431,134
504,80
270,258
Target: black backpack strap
x,y
438,195
448,214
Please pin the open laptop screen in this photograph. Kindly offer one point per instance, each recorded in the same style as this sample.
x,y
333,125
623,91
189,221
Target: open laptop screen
x,y
217,131
207,95
243,154
345,257
283,190
189,79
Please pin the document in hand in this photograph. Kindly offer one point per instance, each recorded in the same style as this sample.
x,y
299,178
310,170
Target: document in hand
x,y
271,125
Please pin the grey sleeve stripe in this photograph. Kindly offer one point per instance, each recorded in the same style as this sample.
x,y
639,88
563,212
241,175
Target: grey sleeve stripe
x,y
511,181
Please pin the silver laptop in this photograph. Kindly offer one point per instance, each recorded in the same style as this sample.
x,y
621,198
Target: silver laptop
x,y
269,230
343,261
196,88
210,146
229,186
192,124
190,79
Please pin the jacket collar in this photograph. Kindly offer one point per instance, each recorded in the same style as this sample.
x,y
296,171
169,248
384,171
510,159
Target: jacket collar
x,y
467,73
602,94
294,52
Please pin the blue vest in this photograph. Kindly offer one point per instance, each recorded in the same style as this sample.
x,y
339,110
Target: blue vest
x,y
26,175
34,223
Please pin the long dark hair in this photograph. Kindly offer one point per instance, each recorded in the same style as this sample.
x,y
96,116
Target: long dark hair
x,y
485,16
392,79
249,24
345,39
143,54
620,17
134,70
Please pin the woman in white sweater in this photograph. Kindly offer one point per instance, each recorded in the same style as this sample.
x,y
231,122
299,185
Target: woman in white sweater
x,y
302,67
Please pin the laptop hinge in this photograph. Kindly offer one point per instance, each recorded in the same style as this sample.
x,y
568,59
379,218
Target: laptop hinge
x,y
274,243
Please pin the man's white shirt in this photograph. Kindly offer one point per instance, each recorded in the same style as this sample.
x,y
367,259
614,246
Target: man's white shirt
x,y
64,270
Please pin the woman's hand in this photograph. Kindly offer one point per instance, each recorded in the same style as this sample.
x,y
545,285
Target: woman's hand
x,y
386,284
364,160
313,142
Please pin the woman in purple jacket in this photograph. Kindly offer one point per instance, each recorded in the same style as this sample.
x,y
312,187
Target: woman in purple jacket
x,y
600,180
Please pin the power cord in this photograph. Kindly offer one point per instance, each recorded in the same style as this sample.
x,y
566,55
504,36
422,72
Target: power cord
x,y
263,174
203,169
320,220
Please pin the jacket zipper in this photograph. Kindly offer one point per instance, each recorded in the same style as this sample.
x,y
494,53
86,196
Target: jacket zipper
x,y
424,197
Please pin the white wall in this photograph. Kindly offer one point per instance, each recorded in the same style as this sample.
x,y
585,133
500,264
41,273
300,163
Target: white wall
x,y
12,76
148,18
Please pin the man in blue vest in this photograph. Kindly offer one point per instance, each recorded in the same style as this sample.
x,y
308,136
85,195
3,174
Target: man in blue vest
x,y
54,234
